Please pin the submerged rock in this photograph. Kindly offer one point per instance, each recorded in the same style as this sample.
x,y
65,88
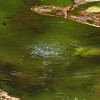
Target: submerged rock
x,y
4,96
87,52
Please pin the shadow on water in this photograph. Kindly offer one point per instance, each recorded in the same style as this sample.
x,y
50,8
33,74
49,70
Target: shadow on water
x,y
47,58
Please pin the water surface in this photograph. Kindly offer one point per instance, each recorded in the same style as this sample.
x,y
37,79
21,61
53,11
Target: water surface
x,y
37,54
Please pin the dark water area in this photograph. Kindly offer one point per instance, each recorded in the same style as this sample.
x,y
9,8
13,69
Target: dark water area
x,y
47,58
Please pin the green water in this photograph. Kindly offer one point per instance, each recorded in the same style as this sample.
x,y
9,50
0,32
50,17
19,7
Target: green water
x,y
37,60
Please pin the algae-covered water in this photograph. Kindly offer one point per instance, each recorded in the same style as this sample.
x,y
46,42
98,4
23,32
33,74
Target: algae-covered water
x,y
47,58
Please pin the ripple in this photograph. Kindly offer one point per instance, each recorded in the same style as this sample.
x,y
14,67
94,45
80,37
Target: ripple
x,y
49,50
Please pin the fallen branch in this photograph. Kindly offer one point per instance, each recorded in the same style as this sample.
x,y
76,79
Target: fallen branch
x,y
89,16
4,96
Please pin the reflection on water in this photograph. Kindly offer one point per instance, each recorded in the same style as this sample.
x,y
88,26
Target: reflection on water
x,y
47,58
